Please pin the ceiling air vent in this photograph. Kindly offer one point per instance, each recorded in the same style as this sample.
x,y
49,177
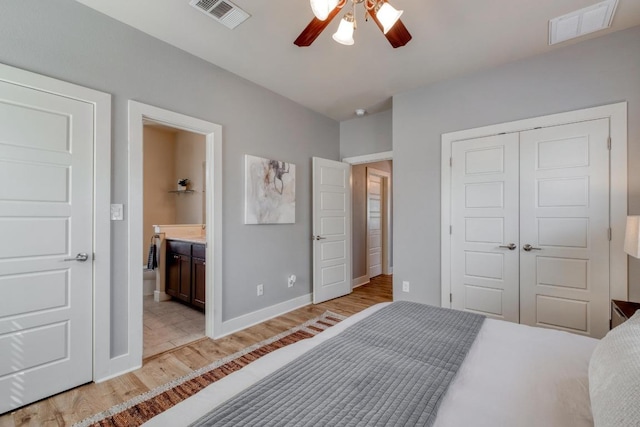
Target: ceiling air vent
x,y
584,21
222,11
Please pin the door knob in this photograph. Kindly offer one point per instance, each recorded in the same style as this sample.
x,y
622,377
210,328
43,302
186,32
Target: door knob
x,y
510,246
82,257
530,248
319,238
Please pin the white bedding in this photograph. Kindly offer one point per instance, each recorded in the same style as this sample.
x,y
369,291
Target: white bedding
x,y
514,375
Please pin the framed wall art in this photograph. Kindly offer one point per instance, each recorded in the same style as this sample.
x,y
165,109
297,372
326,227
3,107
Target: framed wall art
x,y
270,191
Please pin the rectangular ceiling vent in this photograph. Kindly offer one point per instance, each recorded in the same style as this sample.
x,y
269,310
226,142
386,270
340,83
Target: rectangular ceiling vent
x,y
223,11
581,22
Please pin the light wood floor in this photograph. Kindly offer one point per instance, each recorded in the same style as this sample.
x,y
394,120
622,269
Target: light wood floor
x,y
74,405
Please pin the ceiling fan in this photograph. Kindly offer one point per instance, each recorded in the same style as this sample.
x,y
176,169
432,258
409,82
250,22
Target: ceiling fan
x,y
381,12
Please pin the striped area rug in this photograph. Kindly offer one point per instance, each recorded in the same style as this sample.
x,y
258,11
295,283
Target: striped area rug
x,y
146,406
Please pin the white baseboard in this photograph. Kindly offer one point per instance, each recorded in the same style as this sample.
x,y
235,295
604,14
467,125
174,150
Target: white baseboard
x,y
159,296
246,320
359,281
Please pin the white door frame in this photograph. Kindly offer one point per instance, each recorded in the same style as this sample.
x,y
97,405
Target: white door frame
x,y
371,158
617,115
386,218
101,201
138,113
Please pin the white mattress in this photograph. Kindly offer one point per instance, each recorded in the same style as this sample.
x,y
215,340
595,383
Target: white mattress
x,y
514,375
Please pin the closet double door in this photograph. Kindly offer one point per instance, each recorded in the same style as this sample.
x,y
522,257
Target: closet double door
x,y
530,227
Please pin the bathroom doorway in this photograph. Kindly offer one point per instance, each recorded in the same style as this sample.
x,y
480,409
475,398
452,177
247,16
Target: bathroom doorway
x,y
175,314
174,237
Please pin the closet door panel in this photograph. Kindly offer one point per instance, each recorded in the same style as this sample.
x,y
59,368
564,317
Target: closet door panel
x,y
484,207
564,217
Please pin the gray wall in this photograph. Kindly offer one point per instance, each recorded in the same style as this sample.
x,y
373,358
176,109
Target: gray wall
x,y
359,214
595,72
366,135
68,41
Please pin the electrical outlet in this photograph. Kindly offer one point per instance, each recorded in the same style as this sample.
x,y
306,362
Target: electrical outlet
x,y
291,280
405,286
260,289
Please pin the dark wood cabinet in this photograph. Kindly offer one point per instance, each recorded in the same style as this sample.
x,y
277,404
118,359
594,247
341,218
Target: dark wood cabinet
x,y
198,281
172,282
185,272
178,279
184,292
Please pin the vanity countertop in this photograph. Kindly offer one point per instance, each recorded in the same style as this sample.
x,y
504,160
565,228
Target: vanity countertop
x,y
191,239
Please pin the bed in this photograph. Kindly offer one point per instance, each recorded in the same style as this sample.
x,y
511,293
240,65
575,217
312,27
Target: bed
x,y
511,375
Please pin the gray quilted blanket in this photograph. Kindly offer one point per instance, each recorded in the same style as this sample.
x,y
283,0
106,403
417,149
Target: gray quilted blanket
x,y
390,369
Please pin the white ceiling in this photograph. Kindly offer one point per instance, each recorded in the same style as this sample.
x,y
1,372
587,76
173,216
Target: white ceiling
x,y
450,38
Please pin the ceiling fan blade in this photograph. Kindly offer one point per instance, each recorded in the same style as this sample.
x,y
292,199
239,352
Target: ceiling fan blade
x,y
315,27
398,35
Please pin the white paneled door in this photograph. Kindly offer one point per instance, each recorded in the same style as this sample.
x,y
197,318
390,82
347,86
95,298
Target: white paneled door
x,y
530,227
46,196
484,244
374,223
331,229
564,227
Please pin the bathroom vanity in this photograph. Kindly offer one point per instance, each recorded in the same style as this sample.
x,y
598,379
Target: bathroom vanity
x,y
185,271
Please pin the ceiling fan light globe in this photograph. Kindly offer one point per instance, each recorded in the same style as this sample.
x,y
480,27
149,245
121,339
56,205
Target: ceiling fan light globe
x,y
322,8
388,16
344,35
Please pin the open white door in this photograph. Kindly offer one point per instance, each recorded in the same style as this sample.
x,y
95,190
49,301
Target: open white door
x,y
46,267
331,229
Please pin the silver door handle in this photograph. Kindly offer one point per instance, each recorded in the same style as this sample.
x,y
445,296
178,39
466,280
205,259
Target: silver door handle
x,y
317,238
510,246
82,257
530,248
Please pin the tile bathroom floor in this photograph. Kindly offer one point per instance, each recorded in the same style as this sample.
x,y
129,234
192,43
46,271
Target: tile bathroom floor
x,y
169,324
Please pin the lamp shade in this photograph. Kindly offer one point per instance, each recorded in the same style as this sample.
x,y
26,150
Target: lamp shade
x,y
632,236
388,16
322,8
344,35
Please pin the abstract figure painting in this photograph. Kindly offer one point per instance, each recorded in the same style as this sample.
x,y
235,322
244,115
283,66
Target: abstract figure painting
x,y
270,191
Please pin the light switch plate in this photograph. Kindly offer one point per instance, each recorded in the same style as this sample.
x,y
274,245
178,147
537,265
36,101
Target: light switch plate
x,y
117,212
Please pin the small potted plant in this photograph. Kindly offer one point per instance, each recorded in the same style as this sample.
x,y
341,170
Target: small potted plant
x,y
183,183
